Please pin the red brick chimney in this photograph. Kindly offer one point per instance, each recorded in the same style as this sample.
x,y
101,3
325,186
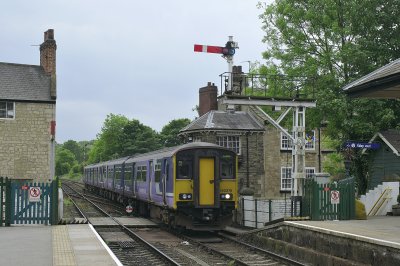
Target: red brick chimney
x,y
208,98
48,59
48,52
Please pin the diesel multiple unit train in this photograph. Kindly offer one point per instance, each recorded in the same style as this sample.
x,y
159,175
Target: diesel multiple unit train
x,y
192,186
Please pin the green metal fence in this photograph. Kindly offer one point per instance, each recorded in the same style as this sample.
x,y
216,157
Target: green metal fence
x,y
34,202
5,200
333,201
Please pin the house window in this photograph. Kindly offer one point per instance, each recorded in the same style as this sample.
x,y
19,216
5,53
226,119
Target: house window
x,y
286,178
230,142
7,110
310,171
287,144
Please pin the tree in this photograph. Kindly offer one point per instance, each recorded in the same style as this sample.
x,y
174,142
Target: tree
x,y
75,148
169,133
139,138
335,41
65,160
110,141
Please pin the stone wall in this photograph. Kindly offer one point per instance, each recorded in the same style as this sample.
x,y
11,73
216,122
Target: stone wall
x,y
26,142
275,158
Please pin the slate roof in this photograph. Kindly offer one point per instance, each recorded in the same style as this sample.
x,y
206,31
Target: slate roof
x,y
220,120
24,83
392,139
381,83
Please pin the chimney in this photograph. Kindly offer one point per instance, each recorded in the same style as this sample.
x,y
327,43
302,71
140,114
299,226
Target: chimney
x,y
48,59
208,98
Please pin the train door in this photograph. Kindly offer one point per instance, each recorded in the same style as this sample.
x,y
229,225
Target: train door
x,y
165,178
206,180
151,171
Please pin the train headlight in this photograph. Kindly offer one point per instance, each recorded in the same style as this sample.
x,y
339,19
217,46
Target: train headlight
x,y
185,196
226,196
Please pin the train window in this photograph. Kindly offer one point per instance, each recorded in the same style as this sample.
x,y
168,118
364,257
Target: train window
x,y
227,167
166,170
127,175
185,169
118,174
157,172
141,173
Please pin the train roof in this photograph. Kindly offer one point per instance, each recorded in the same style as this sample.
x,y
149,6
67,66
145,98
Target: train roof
x,y
170,151
166,152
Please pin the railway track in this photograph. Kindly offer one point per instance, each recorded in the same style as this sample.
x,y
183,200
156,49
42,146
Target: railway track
x,y
133,250
214,249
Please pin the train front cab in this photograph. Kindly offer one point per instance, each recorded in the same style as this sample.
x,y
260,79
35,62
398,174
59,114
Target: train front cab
x,y
205,188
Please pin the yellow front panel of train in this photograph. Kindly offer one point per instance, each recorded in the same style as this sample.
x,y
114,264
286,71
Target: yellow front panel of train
x,y
206,176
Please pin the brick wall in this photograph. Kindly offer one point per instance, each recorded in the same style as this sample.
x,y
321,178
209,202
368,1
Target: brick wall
x,y
26,142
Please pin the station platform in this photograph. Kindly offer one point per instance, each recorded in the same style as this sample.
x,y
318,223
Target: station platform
x,y
378,230
40,245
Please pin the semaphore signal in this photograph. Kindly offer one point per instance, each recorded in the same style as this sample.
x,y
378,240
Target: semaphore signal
x,y
227,52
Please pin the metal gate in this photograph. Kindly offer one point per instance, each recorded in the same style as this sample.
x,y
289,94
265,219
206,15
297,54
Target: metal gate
x,y
34,202
5,197
333,201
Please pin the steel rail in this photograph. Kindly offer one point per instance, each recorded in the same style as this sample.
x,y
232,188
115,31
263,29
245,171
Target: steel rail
x,y
269,253
73,202
130,232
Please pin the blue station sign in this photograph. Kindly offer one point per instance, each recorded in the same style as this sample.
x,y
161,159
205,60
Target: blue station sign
x,y
362,145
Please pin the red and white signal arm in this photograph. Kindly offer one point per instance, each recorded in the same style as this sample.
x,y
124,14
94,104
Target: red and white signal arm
x,y
335,197
34,194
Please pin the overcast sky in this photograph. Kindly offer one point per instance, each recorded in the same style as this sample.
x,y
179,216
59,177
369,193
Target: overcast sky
x,y
133,58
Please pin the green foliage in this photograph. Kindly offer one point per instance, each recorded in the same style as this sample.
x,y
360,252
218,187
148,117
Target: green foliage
x,y
65,159
334,42
121,137
169,132
334,165
138,138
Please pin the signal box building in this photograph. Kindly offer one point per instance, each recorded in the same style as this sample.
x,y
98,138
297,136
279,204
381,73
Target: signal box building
x,y
265,154
28,114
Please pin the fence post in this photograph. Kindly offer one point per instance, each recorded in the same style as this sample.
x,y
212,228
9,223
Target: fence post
x,y
8,202
243,220
54,201
270,210
255,212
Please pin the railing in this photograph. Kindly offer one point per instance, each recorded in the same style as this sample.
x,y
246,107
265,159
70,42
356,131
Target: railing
x,y
383,198
281,86
333,201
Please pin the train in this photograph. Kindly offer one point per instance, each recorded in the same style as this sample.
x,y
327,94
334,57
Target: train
x,y
192,186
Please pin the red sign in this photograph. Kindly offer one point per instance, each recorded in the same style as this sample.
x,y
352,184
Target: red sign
x,y
326,189
129,209
24,187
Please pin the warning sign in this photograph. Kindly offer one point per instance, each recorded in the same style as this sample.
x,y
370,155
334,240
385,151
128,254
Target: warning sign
x,y
335,196
129,209
34,194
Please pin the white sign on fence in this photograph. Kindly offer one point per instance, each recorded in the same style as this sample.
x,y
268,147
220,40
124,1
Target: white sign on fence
x,y
335,196
34,194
